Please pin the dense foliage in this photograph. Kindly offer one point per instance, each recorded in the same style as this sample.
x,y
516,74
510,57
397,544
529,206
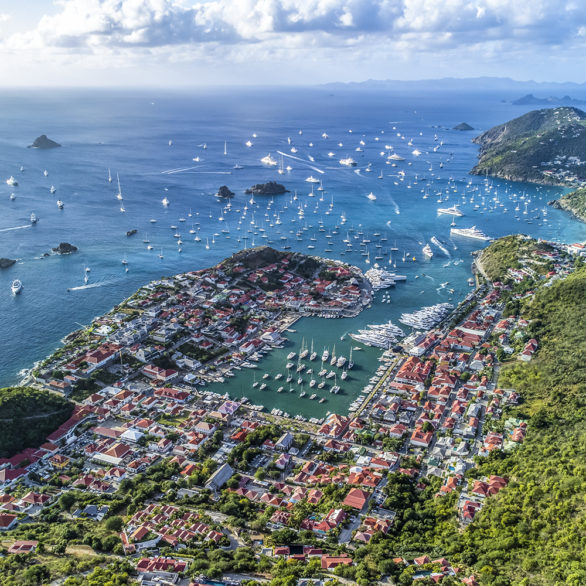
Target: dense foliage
x,y
28,416
534,532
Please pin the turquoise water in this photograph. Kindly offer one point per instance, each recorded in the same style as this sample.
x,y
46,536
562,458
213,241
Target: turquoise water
x,y
130,133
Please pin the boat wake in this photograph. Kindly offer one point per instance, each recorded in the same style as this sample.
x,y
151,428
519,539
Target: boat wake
x,y
441,246
301,160
178,170
15,228
90,286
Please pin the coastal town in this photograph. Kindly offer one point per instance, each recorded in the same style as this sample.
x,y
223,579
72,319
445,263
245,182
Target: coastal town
x,y
173,470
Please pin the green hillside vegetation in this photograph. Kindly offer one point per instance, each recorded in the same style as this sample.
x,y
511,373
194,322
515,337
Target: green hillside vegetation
x,y
574,202
505,253
516,150
28,416
534,531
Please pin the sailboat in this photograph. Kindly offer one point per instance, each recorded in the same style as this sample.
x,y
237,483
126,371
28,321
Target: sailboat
x,y
225,148
350,363
109,176
313,354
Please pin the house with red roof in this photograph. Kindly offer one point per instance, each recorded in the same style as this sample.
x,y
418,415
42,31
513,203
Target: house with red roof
x,y
356,499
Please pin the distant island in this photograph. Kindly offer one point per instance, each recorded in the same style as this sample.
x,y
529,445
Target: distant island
x,y
224,191
542,146
6,262
574,203
531,100
270,188
43,142
65,248
463,126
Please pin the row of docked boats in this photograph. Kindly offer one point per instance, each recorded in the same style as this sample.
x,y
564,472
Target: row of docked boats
x,y
379,335
380,278
426,317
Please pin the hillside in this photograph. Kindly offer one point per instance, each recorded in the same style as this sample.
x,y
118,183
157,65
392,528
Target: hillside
x,y
533,533
28,416
543,146
506,253
574,202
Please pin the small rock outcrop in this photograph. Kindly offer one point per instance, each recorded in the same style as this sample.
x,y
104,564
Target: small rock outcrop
x,y
224,191
463,126
43,142
6,262
65,248
270,188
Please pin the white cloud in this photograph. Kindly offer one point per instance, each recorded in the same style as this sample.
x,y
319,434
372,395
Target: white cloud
x,y
118,32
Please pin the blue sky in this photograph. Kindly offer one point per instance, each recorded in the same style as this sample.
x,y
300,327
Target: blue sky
x,y
181,42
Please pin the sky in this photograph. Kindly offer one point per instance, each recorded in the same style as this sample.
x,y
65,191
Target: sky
x,y
172,43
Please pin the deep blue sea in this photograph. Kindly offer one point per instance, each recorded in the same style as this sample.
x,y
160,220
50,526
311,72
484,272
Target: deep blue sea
x,y
151,138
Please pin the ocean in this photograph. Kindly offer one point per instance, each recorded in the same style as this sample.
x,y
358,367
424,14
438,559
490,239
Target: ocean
x,y
150,140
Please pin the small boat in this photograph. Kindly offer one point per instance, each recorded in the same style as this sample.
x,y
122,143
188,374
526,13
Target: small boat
x,y
34,218
52,189
12,181
16,287
60,204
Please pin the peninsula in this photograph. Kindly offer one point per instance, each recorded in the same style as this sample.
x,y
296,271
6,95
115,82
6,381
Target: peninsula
x,y
165,480
543,146
574,203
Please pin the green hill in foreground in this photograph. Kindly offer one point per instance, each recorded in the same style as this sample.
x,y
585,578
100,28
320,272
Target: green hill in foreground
x,y
28,416
574,202
534,532
543,146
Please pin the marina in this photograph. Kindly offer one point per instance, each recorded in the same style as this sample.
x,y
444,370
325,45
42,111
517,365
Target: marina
x,y
327,220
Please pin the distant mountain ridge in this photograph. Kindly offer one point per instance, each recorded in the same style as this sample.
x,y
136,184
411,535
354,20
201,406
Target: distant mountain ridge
x,y
504,85
543,146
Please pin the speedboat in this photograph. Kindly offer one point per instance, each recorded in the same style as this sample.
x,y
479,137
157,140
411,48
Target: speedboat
x,y
16,287
371,196
34,218
12,181
60,204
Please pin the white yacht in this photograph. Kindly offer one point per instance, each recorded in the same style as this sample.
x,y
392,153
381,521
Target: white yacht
x,y
473,232
16,287
12,181
165,201
269,161
371,196
348,162
60,204
52,189
453,211
34,218
427,251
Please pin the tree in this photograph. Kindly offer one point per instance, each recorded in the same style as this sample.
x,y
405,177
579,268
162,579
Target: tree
x,y
114,523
